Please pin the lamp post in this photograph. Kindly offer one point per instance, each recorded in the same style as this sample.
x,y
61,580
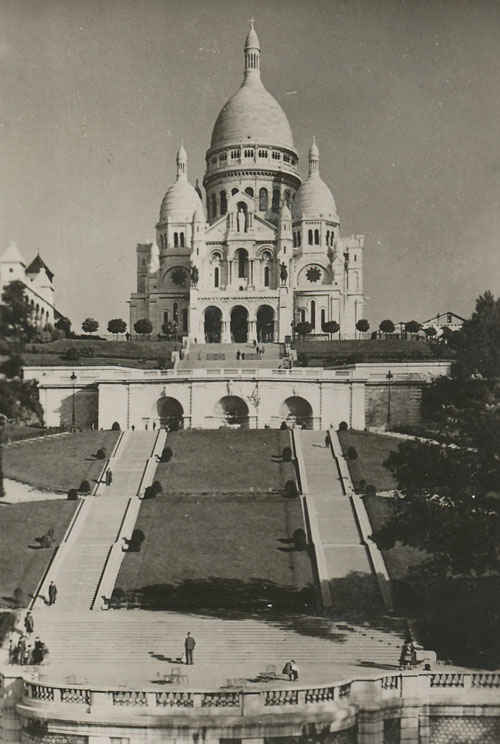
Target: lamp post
x,y
3,421
73,407
389,377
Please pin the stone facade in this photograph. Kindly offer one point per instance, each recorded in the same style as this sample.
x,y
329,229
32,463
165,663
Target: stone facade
x,y
262,250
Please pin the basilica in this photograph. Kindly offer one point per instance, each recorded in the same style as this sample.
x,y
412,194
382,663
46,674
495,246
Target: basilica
x,y
260,250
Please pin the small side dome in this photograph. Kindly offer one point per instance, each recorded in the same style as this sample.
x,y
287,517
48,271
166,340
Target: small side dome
x,y
181,201
314,198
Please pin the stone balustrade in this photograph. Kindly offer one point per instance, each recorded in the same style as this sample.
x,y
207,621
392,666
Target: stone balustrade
x,y
438,687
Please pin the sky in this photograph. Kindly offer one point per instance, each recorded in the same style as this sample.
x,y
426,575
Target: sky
x,y
402,96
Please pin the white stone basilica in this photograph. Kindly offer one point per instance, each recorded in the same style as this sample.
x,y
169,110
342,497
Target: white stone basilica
x,y
266,253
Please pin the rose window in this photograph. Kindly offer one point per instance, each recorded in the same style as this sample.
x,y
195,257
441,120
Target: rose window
x,y
313,274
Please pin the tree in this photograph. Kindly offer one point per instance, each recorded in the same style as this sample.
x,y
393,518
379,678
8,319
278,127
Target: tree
x,y
331,327
387,327
90,325
143,326
303,328
16,324
430,332
63,324
117,325
477,343
362,325
412,326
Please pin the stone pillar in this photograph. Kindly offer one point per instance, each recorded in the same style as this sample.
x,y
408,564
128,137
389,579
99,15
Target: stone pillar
x,y
226,332
370,727
409,725
251,273
252,331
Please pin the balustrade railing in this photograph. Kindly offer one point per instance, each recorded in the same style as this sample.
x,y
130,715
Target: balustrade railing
x,y
251,701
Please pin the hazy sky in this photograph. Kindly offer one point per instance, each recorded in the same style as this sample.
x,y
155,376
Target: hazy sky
x,y
403,97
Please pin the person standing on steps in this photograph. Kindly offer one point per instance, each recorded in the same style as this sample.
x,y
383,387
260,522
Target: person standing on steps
x,y
52,593
29,624
189,644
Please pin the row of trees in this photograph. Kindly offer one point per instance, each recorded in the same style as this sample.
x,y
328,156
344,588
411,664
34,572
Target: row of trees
x,y
117,326
386,327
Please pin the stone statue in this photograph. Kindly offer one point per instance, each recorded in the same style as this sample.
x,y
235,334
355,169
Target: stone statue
x,y
194,274
241,220
283,273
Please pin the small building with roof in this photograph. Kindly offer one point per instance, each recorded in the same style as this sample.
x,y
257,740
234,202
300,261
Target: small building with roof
x,y
38,282
439,322
261,250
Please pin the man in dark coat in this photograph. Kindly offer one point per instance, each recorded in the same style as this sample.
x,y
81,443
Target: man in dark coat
x,y
52,593
189,644
29,623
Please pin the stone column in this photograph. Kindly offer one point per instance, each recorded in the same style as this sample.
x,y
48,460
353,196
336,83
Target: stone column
x,y
251,273
252,331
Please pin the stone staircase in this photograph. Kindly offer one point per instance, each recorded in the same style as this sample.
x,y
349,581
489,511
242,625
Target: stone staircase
x,y
134,646
210,356
338,542
79,564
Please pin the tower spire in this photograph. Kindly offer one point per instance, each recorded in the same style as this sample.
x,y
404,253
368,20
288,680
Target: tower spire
x,y
252,53
314,158
181,163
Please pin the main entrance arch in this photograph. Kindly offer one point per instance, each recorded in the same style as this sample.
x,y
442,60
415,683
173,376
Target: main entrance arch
x,y
239,324
170,413
232,411
213,325
265,324
297,410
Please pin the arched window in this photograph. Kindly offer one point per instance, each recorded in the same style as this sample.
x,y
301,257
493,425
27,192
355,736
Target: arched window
x,y
310,236
234,191
165,317
242,263
249,191
322,318
214,206
287,197
299,236
216,276
313,314
294,240
181,236
184,320
263,200
176,240
276,200
176,312
267,276
328,237
316,237
302,316
223,202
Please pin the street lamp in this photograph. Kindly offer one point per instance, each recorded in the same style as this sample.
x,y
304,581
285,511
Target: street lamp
x,y
3,421
389,376
73,408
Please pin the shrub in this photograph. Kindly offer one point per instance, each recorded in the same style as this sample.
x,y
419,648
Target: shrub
x,y
283,426
149,492
19,598
72,494
287,454
371,490
343,426
136,540
84,487
101,454
291,489
166,455
352,453
71,355
157,487
299,539
116,426
362,486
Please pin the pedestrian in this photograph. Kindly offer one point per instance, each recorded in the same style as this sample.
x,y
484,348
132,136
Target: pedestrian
x,y
327,439
237,355
133,427
109,477
287,669
29,624
52,593
408,656
189,644
28,653
21,649
12,652
242,354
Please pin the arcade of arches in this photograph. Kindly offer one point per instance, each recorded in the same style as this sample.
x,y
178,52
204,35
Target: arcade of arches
x,y
238,326
170,413
232,411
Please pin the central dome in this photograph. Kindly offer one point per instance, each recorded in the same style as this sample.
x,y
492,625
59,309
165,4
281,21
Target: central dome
x,y
252,114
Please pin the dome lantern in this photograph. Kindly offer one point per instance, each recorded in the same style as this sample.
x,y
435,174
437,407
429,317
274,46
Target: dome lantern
x,y
252,52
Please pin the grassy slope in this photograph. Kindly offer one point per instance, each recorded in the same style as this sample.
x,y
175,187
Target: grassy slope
x,y
143,354
58,463
222,541
21,565
373,450
225,460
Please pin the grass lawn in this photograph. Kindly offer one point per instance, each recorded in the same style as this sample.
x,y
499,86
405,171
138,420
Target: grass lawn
x,y
373,450
226,461
16,432
401,557
231,551
363,350
22,565
58,463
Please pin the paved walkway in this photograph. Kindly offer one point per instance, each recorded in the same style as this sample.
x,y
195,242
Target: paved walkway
x,y
77,569
135,648
340,537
